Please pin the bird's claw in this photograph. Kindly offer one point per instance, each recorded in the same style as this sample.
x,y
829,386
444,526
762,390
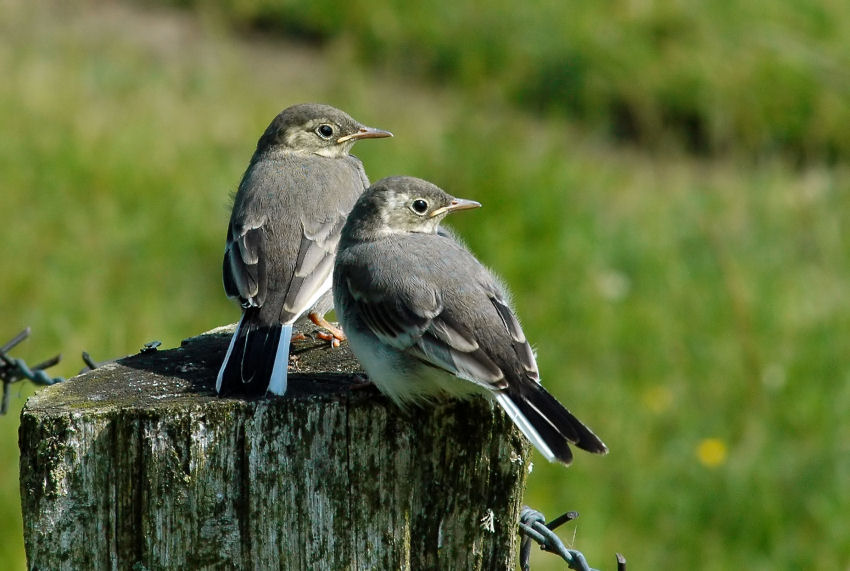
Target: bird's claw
x,y
329,337
332,333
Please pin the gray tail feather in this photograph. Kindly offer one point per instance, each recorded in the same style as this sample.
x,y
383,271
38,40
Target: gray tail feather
x,y
256,360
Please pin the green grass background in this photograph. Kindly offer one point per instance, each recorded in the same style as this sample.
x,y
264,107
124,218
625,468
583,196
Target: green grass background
x,y
665,189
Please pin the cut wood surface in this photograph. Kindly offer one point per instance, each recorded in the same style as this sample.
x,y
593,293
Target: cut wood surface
x,y
138,465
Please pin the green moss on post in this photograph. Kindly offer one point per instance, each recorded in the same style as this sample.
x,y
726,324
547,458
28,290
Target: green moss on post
x,y
138,464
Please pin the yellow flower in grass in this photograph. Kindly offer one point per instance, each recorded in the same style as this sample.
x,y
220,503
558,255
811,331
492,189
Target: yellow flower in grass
x,y
711,452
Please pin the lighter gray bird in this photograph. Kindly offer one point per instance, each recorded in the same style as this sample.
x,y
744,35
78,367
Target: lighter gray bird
x,y
287,215
427,320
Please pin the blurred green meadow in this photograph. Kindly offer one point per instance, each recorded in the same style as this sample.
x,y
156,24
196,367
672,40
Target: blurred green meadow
x,y
665,190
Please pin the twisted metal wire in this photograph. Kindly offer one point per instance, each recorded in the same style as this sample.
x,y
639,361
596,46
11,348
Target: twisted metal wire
x,y
13,370
533,526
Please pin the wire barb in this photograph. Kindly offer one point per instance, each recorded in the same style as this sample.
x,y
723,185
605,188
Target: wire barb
x,y
150,347
533,526
13,370
91,365
621,562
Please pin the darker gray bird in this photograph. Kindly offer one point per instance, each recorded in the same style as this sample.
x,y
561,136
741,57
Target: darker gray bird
x,y
283,233
427,320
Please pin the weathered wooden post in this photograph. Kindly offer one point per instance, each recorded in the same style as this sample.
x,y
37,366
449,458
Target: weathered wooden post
x,y
138,465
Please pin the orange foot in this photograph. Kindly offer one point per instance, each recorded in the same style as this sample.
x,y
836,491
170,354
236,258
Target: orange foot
x,y
334,334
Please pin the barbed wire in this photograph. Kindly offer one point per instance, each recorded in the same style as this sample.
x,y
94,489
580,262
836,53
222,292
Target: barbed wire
x,y
13,370
533,526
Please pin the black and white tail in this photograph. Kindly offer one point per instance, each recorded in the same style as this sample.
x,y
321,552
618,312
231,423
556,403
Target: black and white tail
x,y
547,424
257,358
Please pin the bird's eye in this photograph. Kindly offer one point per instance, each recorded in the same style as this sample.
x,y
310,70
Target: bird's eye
x,y
419,206
325,131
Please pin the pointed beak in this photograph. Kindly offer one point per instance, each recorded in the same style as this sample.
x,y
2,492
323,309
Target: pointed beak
x,y
456,204
365,133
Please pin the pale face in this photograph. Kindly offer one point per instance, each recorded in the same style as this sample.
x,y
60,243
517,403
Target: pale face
x,y
317,129
320,136
414,211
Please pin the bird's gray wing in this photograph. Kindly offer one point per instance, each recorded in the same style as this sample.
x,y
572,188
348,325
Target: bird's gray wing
x,y
244,268
314,262
413,318
245,264
520,346
337,185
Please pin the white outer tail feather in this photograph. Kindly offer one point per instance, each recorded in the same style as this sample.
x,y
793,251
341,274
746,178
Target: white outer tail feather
x,y
219,378
277,382
525,426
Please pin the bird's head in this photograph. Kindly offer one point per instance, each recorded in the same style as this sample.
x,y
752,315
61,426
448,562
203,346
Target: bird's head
x,y
315,129
403,204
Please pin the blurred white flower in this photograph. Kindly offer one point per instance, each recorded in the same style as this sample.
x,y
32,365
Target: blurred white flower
x,y
613,285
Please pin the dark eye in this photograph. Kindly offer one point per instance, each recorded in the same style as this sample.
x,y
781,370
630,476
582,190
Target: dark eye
x,y
325,131
419,206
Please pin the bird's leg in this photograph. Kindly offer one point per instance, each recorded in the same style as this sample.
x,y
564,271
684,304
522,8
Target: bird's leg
x,y
334,334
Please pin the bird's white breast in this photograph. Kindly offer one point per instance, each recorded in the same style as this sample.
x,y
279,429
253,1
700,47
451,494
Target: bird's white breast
x,y
403,378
